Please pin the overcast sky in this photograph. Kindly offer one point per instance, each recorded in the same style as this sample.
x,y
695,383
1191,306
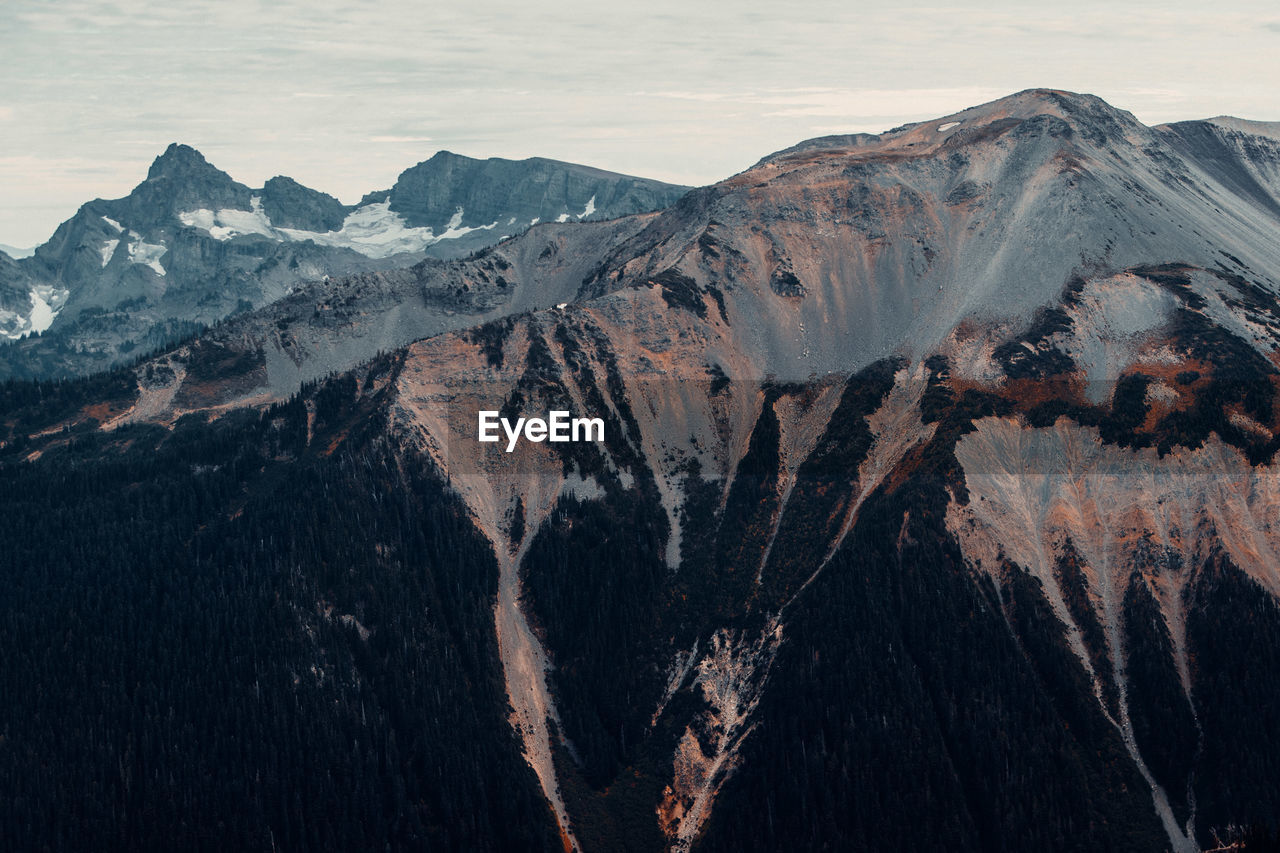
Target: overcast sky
x,y
345,95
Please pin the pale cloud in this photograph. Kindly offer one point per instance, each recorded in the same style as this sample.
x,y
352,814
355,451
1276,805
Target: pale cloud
x,y
399,138
344,96
859,104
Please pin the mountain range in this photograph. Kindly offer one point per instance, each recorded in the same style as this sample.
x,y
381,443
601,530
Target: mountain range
x,y
190,247
937,509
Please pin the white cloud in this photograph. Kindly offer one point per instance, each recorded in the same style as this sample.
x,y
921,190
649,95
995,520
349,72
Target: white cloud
x,y
343,98
399,138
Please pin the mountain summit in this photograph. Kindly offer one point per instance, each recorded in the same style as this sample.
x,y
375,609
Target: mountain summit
x,y
535,190
180,179
183,164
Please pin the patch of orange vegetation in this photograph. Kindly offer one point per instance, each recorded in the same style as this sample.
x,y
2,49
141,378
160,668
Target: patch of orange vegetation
x,y
335,443
1167,375
1026,394
960,384
100,412
905,469
1242,419
1157,410
565,841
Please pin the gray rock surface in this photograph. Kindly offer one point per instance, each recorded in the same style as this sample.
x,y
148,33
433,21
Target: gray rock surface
x,y
938,237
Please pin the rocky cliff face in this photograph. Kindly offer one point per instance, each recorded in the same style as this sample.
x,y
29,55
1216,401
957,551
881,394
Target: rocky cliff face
x,y
190,247
512,194
936,506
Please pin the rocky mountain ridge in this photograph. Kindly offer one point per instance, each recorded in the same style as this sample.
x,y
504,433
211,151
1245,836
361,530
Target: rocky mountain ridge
x,y
190,246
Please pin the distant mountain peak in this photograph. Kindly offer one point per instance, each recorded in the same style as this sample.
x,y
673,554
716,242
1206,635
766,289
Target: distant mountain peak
x,y
499,193
1084,111
1268,129
1059,112
180,179
182,160
289,204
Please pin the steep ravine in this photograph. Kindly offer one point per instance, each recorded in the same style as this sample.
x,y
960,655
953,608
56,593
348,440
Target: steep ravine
x,y
524,668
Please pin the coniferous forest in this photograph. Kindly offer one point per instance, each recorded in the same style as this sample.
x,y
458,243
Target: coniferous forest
x,y
273,630
219,639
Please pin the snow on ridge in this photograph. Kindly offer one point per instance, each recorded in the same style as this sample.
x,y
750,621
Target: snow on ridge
x,y
456,229
373,230
147,254
108,250
945,127
230,222
42,313
116,225
46,302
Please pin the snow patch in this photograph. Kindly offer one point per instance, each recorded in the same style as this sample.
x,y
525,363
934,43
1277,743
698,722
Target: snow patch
x,y
116,225
108,249
943,128
373,230
147,254
42,313
589,209
564,217
46,302
455,229
230,222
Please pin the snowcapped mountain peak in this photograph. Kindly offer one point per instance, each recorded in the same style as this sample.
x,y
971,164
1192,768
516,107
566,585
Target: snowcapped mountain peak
x,y
220,247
